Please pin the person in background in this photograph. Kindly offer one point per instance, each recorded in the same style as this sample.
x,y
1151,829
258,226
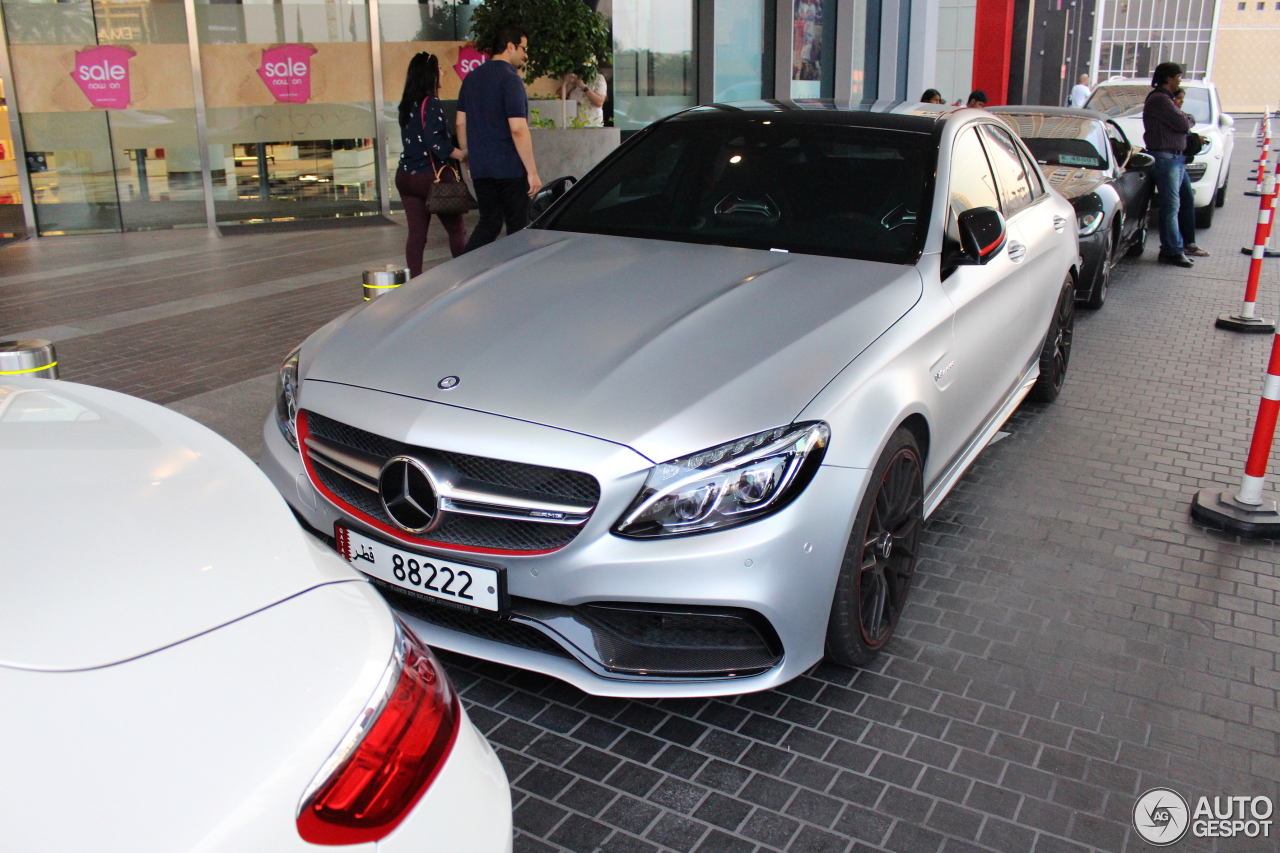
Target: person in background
x,y
1080,92
424,133
1165,130
977,99
1187,198
493,126
590,98
931,96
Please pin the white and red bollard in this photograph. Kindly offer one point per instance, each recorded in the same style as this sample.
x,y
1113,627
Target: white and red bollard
x,y
1246,321
1264,155
1248,512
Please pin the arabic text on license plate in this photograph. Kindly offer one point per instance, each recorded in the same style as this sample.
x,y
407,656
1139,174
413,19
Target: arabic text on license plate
x,y
475,586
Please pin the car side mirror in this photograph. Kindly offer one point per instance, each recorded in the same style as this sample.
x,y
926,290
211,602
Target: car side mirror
x,y
551,192
1226,122
1139,161
982,234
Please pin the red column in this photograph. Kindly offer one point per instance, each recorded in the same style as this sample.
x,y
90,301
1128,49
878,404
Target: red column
x,y
992,45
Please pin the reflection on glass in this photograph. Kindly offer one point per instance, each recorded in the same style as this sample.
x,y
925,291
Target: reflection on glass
x,y
653,60
812,48
740,28
11,222
289,101
108,114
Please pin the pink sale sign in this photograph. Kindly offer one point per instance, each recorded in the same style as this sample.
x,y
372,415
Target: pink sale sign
x,y
102,73
469,59
286,69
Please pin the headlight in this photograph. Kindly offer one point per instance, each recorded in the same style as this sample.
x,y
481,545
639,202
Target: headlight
x,y
726,485
1089,222
287,398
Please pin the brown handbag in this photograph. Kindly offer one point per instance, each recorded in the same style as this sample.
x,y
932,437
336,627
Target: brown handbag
x,y
448,193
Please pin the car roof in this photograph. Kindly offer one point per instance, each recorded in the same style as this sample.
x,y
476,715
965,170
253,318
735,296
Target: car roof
x,y
911,116
1137,81
1093,115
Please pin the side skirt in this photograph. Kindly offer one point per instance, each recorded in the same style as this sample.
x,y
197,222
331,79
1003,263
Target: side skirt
x,y
941,487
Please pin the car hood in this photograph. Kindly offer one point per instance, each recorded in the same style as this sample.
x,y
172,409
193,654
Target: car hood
x,y
1133,129
1072,181
128,528
661,346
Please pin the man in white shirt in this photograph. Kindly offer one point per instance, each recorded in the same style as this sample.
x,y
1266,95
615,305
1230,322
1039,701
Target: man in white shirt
x,y
590,98
1080,92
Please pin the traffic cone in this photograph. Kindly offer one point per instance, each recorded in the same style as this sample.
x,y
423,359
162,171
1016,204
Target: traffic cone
x,y
1263,156
1245,321
1268,238
1249,512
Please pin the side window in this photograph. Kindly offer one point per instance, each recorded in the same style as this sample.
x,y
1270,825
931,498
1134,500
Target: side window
x,y
971,182
1119,144
1011,174
1033,174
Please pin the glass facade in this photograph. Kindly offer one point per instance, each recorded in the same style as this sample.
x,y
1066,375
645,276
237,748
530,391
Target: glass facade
x,y
120,115
1137,35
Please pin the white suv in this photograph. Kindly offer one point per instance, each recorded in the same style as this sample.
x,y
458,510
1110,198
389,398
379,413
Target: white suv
x,y
1122,98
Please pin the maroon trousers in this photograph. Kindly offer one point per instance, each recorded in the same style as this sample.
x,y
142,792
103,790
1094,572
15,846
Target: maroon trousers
x,y
413,191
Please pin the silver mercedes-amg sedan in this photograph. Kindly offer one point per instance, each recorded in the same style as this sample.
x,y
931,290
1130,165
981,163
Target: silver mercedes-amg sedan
x,y
680,437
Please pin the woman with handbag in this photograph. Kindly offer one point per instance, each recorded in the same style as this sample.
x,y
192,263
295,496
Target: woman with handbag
x,y
426,179
1187,207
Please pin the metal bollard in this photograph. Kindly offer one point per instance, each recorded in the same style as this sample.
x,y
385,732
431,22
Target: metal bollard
x,y
378,280
31,357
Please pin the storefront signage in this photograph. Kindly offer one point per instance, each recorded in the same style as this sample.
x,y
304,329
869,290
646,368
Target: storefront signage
x,y
102,73
469,59
286,70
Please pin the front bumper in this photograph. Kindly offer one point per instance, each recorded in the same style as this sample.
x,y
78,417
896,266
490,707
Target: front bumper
x,y
782,567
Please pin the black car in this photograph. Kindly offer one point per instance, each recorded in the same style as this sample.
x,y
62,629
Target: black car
x,y
1087,157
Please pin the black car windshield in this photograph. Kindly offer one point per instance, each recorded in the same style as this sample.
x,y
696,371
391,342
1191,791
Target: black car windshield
x,y
1121,101
812,188
1062,140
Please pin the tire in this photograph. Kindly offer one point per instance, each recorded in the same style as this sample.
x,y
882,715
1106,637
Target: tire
x,y
1101,276
880,558
1204,216
1220,198
1055,354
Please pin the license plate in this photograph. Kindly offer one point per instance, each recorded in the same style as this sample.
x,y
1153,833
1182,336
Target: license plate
x,y
444,580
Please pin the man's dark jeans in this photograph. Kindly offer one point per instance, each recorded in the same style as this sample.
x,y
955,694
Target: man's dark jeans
x,y
501,200
1174,187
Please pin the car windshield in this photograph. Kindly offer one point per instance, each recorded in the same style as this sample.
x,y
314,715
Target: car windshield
x,y
1062,140
1121,101
812,188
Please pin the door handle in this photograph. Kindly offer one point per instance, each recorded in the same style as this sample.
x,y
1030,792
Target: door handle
x,y
1017,251
1059,223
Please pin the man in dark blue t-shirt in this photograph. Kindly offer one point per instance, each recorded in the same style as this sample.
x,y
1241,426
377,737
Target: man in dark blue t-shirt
x,y
493,126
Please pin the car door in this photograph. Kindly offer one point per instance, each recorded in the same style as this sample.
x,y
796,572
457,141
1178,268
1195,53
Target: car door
x,y
988,301
1133,185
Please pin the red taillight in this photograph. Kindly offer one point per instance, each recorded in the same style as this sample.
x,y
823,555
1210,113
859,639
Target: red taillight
x,y
392,753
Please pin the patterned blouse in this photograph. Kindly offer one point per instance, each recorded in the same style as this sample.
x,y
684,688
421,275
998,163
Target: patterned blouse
x,y
425,140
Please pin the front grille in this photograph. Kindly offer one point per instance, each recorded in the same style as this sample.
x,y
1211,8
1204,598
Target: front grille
x,y
1195,171
536,479
467,530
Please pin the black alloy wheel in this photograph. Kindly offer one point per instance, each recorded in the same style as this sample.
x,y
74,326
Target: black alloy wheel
x,y
1101,275
880,558
1055,355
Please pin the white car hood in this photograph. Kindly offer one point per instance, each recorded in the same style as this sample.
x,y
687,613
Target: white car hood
x,y
128,528
651,344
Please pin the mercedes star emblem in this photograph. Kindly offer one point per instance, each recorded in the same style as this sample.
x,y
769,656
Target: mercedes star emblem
x,y
407,494
448,382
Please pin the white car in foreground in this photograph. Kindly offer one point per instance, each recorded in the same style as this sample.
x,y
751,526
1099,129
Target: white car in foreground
x,y
1122,99
182,668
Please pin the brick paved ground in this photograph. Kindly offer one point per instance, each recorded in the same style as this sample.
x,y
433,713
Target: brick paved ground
x,y
1073,638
